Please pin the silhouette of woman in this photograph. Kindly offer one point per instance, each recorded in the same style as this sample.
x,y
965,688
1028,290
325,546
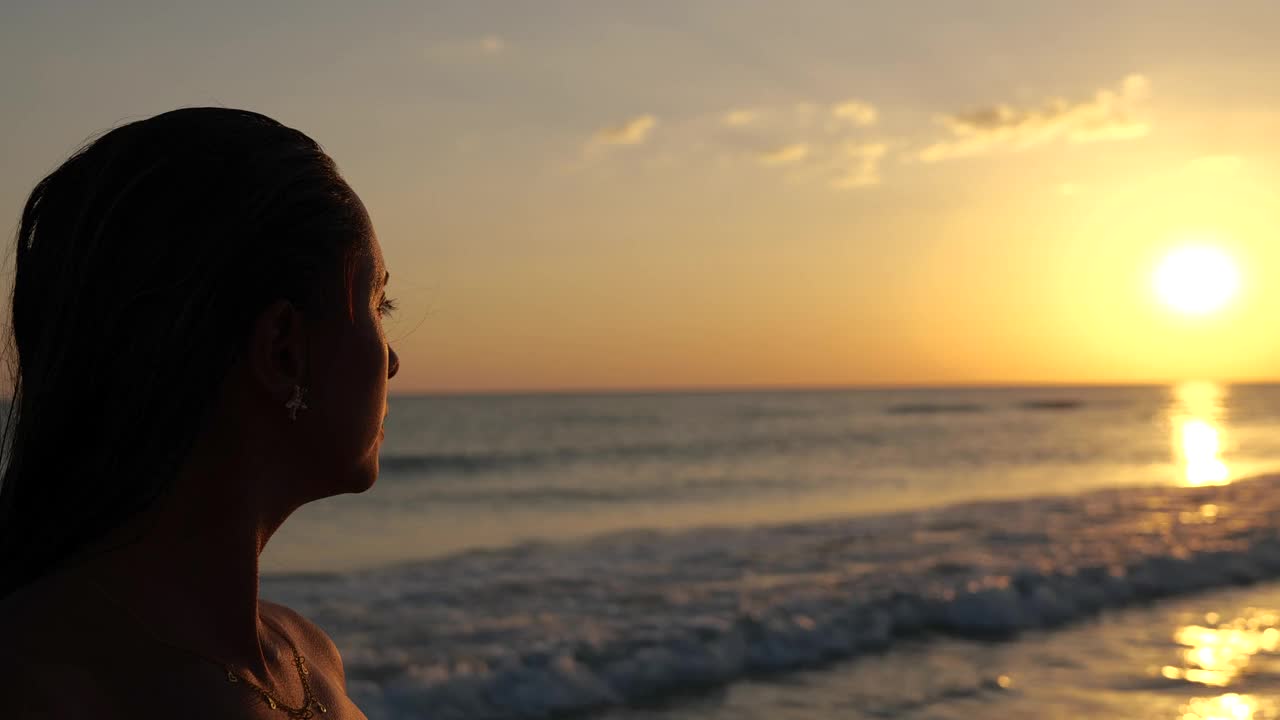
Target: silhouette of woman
x,y
197,352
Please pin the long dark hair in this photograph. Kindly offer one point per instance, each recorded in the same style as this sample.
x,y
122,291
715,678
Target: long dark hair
x,y
141,264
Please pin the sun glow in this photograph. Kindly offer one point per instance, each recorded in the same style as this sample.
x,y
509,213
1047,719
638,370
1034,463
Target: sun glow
x,y
1197,279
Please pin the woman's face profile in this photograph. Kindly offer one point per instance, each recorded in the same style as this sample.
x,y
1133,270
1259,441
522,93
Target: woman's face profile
x,y
348,403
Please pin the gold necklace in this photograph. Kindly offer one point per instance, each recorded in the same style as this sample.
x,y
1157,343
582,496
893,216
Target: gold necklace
x,y
309,701
300,663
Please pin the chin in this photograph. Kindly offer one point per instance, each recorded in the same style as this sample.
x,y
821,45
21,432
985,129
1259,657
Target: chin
x,y
356,480
364,472
367,484
367,477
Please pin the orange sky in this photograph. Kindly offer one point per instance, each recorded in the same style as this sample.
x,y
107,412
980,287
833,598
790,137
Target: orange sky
x,y
741,193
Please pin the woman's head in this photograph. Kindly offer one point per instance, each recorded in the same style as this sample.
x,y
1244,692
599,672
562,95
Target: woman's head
x,y
179,272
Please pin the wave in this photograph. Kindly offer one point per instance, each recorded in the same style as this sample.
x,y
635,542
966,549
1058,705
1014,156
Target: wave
x,y
935,408
540,630
1047,404
604,419
1052,404
493,461
683,489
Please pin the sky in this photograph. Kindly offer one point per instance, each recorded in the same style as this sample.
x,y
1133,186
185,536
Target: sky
x,y
734,193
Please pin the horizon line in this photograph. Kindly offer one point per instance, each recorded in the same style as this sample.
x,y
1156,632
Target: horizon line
x,y
800,388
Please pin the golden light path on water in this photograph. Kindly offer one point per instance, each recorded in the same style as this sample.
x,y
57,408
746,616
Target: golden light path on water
x,y
1199,434
1216,653
1230,706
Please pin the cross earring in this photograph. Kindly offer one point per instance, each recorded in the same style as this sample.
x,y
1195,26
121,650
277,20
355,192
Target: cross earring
x,y
295,402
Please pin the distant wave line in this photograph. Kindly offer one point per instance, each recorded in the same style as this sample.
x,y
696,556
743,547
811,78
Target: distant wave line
x,y
431,463
963,408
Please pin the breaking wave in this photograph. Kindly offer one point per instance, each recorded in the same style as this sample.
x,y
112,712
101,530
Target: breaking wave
x,y
540,630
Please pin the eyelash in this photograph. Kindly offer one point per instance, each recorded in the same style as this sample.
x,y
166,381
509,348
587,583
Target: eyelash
x,y
386,306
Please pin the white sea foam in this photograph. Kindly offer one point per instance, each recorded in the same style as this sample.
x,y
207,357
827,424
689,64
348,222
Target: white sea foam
x,y
539,630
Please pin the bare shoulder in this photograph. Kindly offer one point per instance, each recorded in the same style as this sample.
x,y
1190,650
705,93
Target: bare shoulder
x,y
314,643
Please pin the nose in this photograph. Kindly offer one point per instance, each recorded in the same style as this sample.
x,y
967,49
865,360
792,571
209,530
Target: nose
x,y
393,363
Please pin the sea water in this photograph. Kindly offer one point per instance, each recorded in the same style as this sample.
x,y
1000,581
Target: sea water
x,y
535,556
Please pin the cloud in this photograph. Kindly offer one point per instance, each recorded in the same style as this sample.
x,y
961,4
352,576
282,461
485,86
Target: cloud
x,y
785,155
825,144
855,112
632,132
863,166
802,117
1109,115
842,166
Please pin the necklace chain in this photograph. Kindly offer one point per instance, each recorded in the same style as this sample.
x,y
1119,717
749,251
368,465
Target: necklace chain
x,y
300,664
271,699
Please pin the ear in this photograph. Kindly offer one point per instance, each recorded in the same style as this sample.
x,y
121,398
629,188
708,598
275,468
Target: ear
x,y
278,348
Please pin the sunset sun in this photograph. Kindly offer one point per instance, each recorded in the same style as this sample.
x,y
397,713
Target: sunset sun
x,y
1197,280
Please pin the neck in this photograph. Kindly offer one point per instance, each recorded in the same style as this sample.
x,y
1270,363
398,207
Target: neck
x,y
187,570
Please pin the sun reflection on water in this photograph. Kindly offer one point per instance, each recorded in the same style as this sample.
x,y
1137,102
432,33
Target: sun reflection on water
x,y
1196,417
1214,654
1231,706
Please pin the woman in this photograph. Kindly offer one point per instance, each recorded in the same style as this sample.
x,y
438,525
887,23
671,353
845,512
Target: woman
x,y
197,334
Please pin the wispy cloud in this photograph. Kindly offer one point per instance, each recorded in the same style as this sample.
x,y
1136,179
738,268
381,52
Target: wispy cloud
x,y
1108,115
856,113
820,143
786,155
802,117
631,132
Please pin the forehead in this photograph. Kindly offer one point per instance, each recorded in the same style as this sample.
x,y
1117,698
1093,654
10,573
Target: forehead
x,y
369,261
366,269
377,262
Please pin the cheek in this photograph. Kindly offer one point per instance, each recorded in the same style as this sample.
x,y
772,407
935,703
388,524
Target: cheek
x,y
347,409
341,454
362,379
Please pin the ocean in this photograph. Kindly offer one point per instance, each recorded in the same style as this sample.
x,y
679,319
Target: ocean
x,y
920,553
